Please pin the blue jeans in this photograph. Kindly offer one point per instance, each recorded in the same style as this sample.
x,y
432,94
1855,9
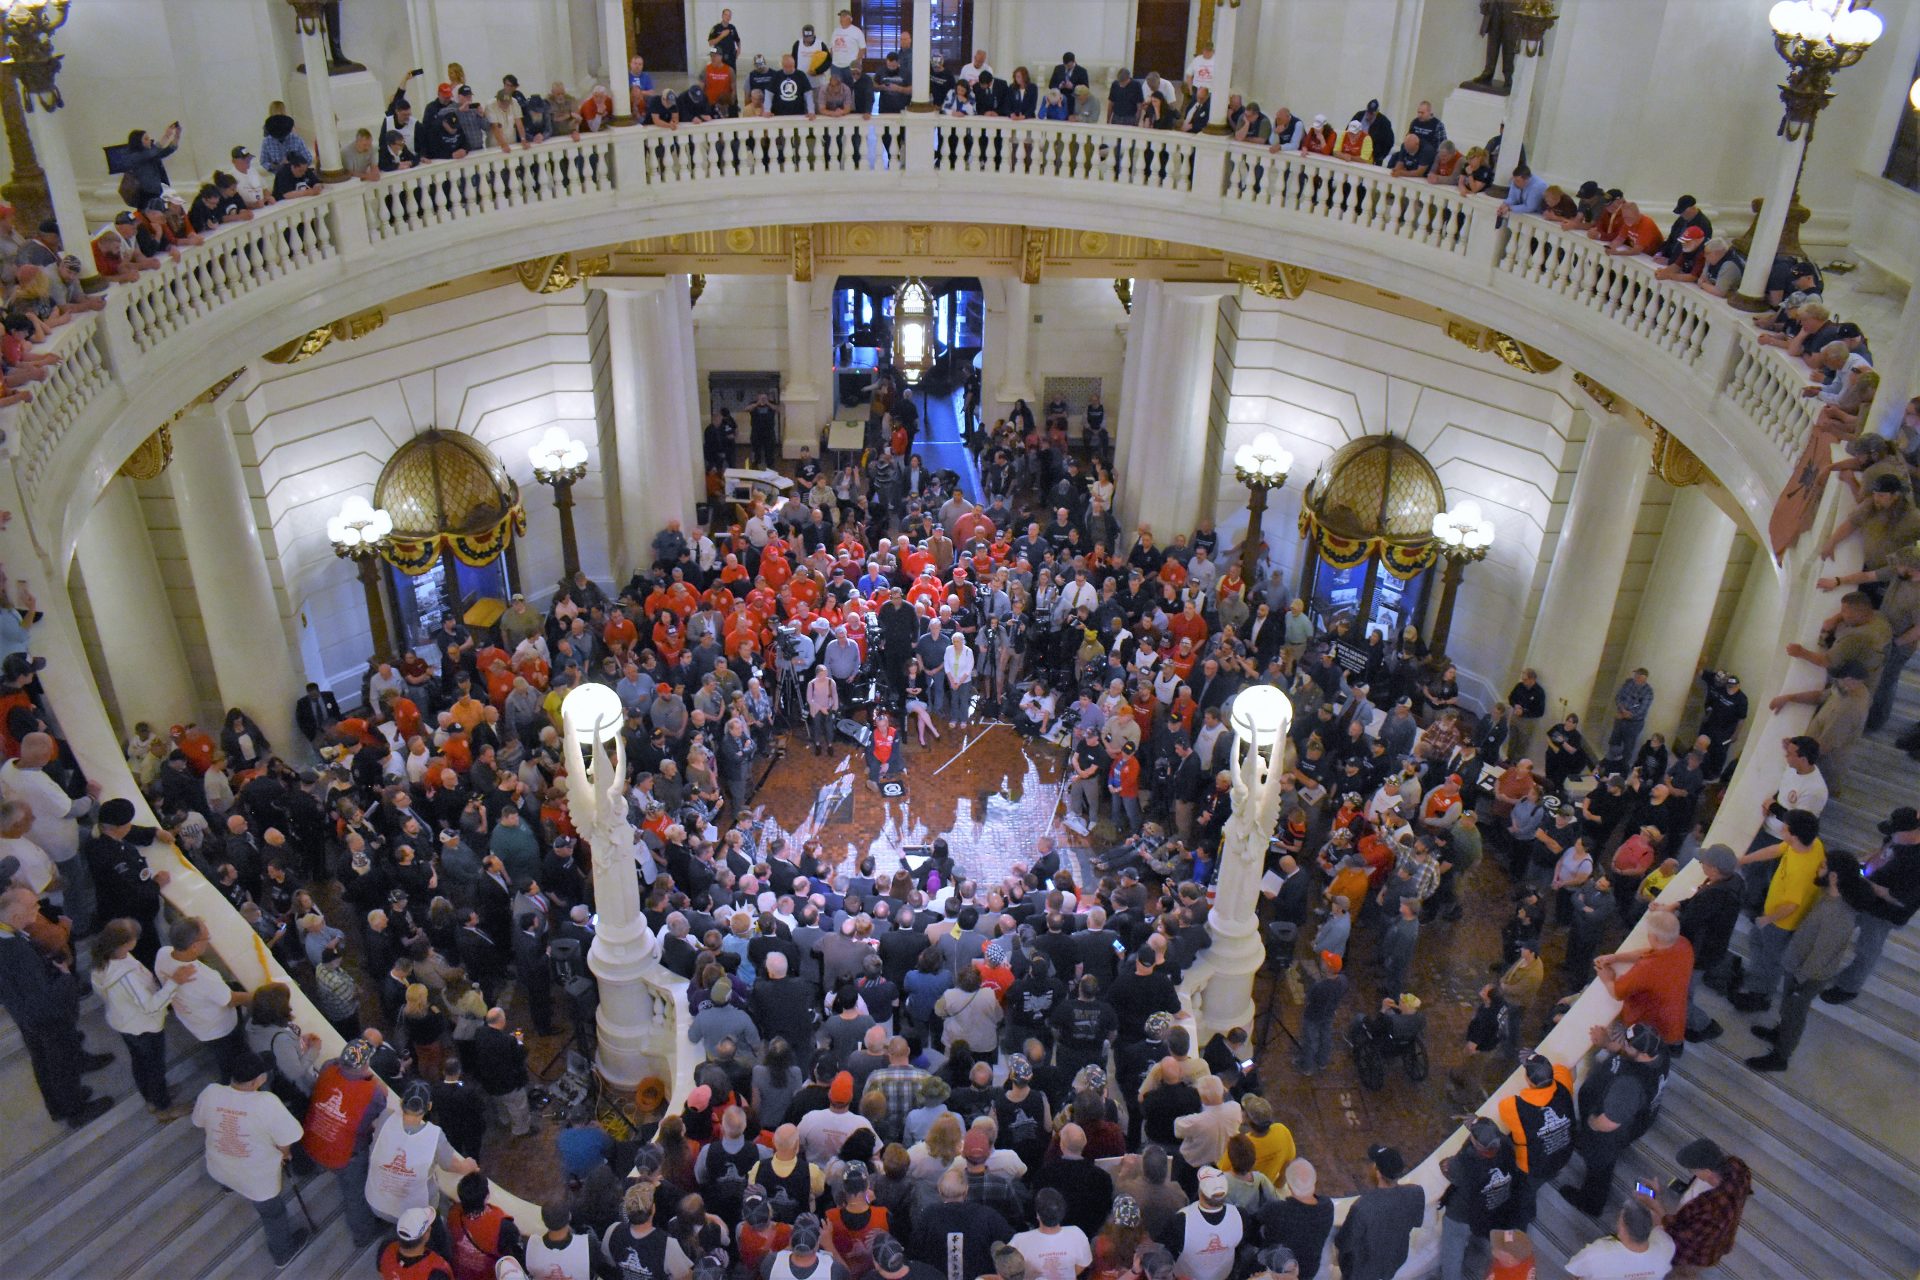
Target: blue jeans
x,y
1623,740
77,897
273,1219
1868,943
1316,1045
352,1181
1458,1243
1898,655
1126,812
960,702
1768,948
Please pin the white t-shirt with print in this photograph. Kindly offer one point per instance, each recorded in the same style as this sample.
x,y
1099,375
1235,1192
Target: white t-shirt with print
x,y
1797,791
847,45
1200,72
1058,1255
245,1131
1608,1259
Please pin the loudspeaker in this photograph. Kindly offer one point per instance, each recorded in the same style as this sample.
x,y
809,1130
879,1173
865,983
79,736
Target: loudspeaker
x,y
855,732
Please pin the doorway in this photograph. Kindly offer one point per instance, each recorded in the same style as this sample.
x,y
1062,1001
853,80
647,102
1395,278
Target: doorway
x,y
421,600
885,21
1160,37
659,33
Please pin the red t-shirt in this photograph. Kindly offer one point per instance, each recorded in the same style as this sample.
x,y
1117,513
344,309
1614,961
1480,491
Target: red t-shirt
x,y
1655,991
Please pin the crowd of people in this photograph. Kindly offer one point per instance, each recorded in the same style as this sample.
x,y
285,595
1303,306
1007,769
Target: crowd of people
x,y
923,1071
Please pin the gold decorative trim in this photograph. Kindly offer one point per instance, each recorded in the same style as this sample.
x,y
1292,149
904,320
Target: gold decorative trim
x,y
561,271
1601,395
803,254
1278,280
919,238
151,457
1033,254
1479,337
1673,461
311,344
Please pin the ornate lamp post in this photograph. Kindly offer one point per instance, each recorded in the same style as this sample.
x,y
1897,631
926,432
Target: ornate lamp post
x,y
27,27
1260,716
1262,466
357,534
1815,38
559,460
1462,537
913,330
591,723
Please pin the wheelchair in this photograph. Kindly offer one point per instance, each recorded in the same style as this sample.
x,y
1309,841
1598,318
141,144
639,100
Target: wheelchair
x,y
1379,1038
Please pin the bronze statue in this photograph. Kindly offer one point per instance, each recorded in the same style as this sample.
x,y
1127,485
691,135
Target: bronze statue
x,y
338,62
1503,45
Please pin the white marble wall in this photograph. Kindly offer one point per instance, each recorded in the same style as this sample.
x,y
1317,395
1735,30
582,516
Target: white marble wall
x,y
503,365
1320,371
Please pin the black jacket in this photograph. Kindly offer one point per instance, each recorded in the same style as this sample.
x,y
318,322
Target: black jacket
x,y
1900,876
313,720
497,1062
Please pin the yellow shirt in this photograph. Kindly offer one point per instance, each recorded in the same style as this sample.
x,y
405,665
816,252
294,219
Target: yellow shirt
x,y
1793,882
1272,1153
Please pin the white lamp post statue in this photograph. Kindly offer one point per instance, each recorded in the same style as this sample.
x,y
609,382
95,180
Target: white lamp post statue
x,y
1260,717
592,720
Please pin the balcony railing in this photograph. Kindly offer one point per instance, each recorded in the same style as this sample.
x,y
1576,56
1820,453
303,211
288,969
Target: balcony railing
x,y
219,302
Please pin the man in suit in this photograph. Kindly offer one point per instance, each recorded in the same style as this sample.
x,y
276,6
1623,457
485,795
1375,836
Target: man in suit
x,y
317,712
1296,888
530,967
1214,686
784,1006
479,953
44,1000
496,899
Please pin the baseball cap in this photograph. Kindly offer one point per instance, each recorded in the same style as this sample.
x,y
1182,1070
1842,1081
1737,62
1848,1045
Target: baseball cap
x,y
1888,484
1849,670
465,90
240,153
1331,961
1588,189
887,1253
445,88
19,664
1684,203
976,1147
1020,1069
1387,1160
1847,331
806,1234
1213,1184
414,1224
124,218
841,1089
116,812
1724,860
1692,235
1484,1132
1902,819
1009,1262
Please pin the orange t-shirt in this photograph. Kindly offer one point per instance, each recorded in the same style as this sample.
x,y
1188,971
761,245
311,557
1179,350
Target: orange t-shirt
x,y
1645,235
719,82
620,633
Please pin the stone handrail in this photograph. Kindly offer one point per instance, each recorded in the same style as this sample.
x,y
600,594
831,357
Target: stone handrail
x,y
288,271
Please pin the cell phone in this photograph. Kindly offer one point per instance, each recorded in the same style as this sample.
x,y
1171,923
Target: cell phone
x,y
1645,1189
417,71
1247,1065
1679,1186
1119,946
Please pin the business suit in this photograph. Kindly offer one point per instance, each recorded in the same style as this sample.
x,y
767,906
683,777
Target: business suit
x,y
315,713
45,1004
530,967
480,957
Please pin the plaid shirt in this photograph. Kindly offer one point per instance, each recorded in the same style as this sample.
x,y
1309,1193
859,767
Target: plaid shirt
x,y
1703,1228
275,152
1424,875
901,1088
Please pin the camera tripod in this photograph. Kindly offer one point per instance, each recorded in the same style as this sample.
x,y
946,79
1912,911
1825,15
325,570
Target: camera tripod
x,y
1280,937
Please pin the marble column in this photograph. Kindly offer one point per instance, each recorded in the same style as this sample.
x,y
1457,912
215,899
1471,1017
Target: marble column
x,y
1129,415
1676,608
1899,354
138,639
983,15
655,414
803,406
1016,340
1753,649
49,136
1589,560
1772,222
679,442
613,21
325,128
920,65
1163,485
253,662
1226,21
1519,113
